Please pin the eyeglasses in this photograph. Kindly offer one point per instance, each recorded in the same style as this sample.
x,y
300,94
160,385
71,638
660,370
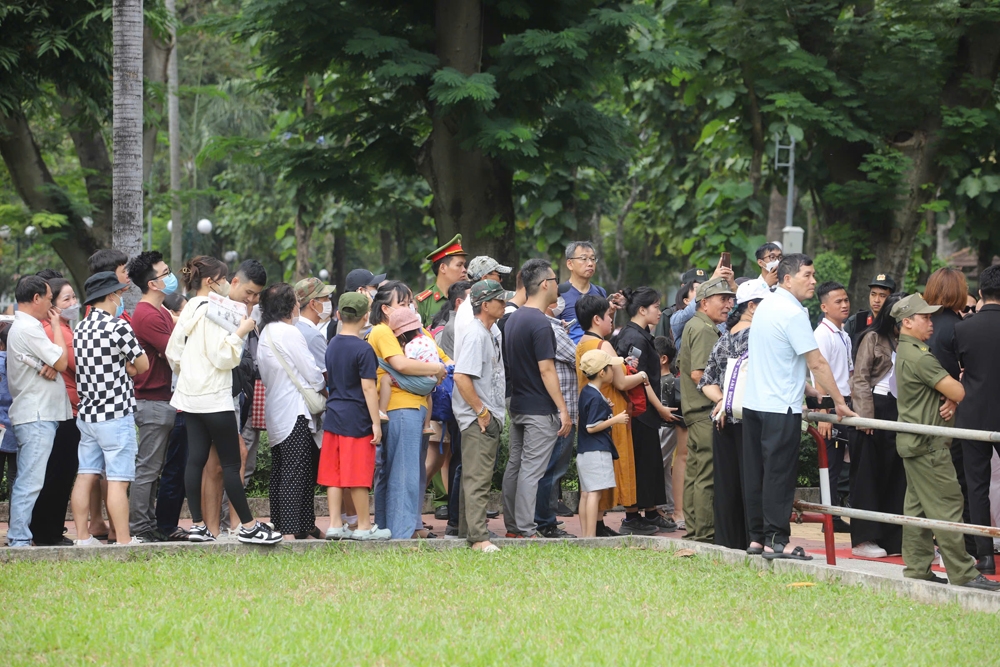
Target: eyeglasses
x,y
586,260
545,280
162,276
771,258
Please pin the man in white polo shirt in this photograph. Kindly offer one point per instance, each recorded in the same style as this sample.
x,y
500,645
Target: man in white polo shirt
x,y
835,346
781,349
34,364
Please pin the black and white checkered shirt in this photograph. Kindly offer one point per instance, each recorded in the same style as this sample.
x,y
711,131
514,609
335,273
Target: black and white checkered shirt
x,y
102,344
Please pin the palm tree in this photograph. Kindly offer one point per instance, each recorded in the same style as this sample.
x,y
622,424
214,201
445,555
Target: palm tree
x,y
127,130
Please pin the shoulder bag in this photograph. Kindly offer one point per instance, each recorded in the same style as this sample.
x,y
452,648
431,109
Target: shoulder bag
x,y
315,401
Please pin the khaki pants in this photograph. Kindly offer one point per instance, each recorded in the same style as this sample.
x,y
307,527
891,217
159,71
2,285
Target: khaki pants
x,y
932,491
479,455
699,484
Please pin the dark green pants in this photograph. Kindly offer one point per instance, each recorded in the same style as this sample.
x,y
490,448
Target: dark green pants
x,y
699,482
479,454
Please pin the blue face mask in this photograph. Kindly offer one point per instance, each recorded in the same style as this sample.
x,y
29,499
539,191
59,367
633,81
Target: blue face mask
x,y
121,307
169,284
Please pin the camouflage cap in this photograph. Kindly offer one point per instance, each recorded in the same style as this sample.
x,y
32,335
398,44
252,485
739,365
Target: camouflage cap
x,y
488,290
312,288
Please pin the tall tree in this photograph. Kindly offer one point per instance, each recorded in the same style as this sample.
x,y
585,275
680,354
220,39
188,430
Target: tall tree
x,y
127,134
174,138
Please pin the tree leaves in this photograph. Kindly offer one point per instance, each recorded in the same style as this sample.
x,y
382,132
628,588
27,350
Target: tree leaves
x,y
451,88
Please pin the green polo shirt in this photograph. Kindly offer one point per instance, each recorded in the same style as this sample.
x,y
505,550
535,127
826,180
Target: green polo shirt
x,y
917,372
700,336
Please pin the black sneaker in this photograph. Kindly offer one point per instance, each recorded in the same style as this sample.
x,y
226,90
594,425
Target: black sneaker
x,y
200,534
492,514
604,531
983,584
151,536
637,527
259,534
664,524
553,532
563,510
451,532
441,513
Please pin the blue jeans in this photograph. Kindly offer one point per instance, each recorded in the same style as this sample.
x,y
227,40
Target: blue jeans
x,y
170,496
548,486
401,472
34,444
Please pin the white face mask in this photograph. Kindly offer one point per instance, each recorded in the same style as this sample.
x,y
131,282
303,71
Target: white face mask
x,y
327,311
770,265
295,320
560,306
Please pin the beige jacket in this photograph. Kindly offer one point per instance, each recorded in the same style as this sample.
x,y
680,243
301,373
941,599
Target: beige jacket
x,y
874,360
203,355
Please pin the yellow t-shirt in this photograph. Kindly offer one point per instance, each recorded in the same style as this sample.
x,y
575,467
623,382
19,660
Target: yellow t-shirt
x,y
386,345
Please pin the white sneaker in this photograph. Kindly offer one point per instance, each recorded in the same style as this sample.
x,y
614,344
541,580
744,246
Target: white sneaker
x,y
869,550
131,543
89,542
259,534
338,533
374,533
200,534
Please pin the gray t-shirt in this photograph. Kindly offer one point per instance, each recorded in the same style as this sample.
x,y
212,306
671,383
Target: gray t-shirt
x,y
480,358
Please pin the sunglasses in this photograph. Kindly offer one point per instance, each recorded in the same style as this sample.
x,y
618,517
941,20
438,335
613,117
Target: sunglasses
x,y
969,309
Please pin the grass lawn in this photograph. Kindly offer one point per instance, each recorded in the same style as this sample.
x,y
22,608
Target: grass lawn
x,y
550,605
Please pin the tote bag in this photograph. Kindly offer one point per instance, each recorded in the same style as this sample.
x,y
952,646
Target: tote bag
x,y
734,384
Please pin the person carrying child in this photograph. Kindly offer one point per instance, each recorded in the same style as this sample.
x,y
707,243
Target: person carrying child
x,y
417,345
595,449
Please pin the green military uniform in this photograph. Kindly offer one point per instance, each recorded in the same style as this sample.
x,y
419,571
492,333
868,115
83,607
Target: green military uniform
x,y
932,488
700,336
430,301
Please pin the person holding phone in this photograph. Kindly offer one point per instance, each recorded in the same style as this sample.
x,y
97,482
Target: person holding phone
x,y
680,319
636,341
768,256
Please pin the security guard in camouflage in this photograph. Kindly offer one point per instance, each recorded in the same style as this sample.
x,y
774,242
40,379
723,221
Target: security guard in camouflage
x,y
447,272
932,488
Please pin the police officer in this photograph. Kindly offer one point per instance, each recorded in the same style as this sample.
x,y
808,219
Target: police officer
x,y
448,267
879,288
932,488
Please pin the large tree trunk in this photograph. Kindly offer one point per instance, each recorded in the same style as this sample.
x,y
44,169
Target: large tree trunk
x,y
340,259
155,59
92,151
127,133
472,192
174,136
38,190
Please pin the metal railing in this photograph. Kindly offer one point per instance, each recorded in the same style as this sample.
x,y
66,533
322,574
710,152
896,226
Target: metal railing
x,y
825,510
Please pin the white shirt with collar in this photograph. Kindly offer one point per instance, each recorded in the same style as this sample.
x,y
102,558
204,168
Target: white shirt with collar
x,y
283,402
35,398
835,346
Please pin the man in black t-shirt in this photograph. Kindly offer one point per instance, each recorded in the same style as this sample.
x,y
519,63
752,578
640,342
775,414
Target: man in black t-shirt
x,y
537,410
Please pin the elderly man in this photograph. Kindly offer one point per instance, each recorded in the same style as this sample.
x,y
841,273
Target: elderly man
x,y
315,310
782,348
701,333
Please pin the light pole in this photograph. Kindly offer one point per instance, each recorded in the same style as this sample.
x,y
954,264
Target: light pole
x,y
231,257
791,236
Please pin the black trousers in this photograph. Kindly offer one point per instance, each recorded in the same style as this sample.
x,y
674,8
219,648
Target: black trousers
x,y
170,495
958,459
836,447
218,429
49,515
771,443
978,469
650,489
454,471
730,514
878,480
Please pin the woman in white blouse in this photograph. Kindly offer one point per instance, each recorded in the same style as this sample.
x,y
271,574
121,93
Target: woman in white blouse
x,y
291,429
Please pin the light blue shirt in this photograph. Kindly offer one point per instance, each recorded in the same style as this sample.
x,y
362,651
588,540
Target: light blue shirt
x,y
780,337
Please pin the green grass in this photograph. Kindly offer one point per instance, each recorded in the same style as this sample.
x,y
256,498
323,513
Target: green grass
x,y
551,605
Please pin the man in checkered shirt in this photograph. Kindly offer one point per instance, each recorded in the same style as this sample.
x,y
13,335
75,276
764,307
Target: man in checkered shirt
x,y
108,355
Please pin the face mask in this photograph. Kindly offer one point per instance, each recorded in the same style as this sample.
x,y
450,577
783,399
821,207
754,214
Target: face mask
x,y
559,307
327,311
222,289
169,284
770,265
295,320
70,312
121,308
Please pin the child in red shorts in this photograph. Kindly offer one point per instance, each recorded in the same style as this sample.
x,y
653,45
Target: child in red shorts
x,y
351,426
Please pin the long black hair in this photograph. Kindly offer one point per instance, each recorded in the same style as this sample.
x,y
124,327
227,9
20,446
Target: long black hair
x,y
682,294
383,297
640,297
884,324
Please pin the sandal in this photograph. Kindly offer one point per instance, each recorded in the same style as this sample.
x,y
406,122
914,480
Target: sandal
x,y
755,551
798,553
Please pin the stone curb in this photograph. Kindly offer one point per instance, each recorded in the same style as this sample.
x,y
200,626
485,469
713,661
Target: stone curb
x,y
920,591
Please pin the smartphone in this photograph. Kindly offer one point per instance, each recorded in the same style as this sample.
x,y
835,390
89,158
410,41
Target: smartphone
x,y
635,352
825,403
726,260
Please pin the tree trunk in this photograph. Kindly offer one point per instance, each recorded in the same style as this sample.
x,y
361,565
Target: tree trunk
x,y
945,246
155,59
303,235
340,258
386,238
472,192
92,151
39,191
776,214
174,136
127,133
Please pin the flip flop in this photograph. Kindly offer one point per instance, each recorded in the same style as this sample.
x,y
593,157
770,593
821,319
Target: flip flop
x,y
798,553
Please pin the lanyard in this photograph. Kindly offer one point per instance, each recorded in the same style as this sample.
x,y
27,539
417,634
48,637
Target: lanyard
x,y
840,336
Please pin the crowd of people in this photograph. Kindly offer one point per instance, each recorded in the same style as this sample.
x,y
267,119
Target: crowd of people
x,y
689,417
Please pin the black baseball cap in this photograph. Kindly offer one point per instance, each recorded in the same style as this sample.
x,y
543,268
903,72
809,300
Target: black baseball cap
x,y
883,281
362,278
694,275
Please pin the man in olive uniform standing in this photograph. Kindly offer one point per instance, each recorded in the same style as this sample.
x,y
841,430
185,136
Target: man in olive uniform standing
x,y
701,333
932,488
448,267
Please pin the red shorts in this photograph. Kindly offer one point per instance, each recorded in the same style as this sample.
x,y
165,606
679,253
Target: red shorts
x,y
346,463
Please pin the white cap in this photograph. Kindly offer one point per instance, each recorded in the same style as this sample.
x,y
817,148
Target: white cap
x,y
750,290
